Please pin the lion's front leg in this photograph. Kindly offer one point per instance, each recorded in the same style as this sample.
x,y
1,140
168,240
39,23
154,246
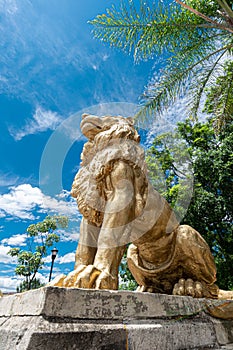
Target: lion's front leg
x,y
103,274
87,246
84,256
115,232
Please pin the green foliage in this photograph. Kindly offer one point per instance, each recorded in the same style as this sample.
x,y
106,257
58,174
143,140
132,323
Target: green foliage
x,y
194,36
127,282
211,209
170,170
41,236
219,100
23,287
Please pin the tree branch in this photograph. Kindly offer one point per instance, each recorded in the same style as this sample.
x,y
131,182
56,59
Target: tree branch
x,y
224,5
199,14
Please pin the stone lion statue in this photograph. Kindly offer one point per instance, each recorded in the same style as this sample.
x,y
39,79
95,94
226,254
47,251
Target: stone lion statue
x,y
119,206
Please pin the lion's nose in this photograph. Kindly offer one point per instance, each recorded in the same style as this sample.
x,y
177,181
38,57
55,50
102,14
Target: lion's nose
x,y
84,115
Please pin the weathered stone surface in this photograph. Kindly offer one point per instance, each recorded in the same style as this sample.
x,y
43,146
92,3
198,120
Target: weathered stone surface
x,y
61,318
93,304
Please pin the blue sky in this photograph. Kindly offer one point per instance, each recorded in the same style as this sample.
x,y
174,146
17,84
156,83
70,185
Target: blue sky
x,y
51,71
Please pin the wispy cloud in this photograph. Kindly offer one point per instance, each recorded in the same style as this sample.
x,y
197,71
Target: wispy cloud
x,y
21,201
8,179
69,236
168,120
8,6
41,121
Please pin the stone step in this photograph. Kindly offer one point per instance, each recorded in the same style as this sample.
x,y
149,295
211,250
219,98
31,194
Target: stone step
x,y
68,318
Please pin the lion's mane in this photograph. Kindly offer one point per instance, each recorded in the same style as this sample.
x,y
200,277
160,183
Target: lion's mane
x,y
111,144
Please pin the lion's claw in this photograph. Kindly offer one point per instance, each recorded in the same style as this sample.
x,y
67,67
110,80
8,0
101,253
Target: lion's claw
x,y
189,288
87,277
71,278
106,281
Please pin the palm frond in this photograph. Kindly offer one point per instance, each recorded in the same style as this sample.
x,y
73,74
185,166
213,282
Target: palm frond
x,y
219,101
215,23
171,84
224,5
147,32
206,76
194,36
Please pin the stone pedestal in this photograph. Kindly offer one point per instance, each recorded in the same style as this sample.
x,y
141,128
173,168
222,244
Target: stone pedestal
x,y
56,318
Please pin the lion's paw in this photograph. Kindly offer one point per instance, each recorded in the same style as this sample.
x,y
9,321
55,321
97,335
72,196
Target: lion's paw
x,y
189,288
91,277
86,276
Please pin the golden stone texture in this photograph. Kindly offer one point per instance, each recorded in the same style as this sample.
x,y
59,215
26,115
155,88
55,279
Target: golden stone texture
x,y
120,206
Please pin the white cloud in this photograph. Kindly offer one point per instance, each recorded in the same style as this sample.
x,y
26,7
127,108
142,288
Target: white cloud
x,y
42,278
4,257
15,240
67,258
21,200
9,284
42,120
64,259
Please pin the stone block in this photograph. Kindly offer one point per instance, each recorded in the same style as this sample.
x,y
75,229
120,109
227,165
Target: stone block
x,y
85,319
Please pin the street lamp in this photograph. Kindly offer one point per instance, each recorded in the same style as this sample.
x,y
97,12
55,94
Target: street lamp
x,y
53,257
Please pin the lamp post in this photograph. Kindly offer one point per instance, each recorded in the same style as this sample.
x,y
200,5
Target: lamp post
x,y
53,257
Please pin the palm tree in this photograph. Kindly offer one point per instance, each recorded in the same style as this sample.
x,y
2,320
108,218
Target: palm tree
x,y
196,39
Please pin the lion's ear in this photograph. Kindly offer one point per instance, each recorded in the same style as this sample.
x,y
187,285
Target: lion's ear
x,y
85,115
130,120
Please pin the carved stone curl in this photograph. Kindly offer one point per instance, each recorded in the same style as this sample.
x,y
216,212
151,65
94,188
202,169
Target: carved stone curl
x,y
120,206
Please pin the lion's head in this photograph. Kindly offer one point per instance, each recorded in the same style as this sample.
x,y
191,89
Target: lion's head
x,y
92,125
110,139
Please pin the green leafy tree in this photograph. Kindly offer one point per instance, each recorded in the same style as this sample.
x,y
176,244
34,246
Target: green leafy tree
x,y
127,281
41,236
23,286
219,100
194,37
211,209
